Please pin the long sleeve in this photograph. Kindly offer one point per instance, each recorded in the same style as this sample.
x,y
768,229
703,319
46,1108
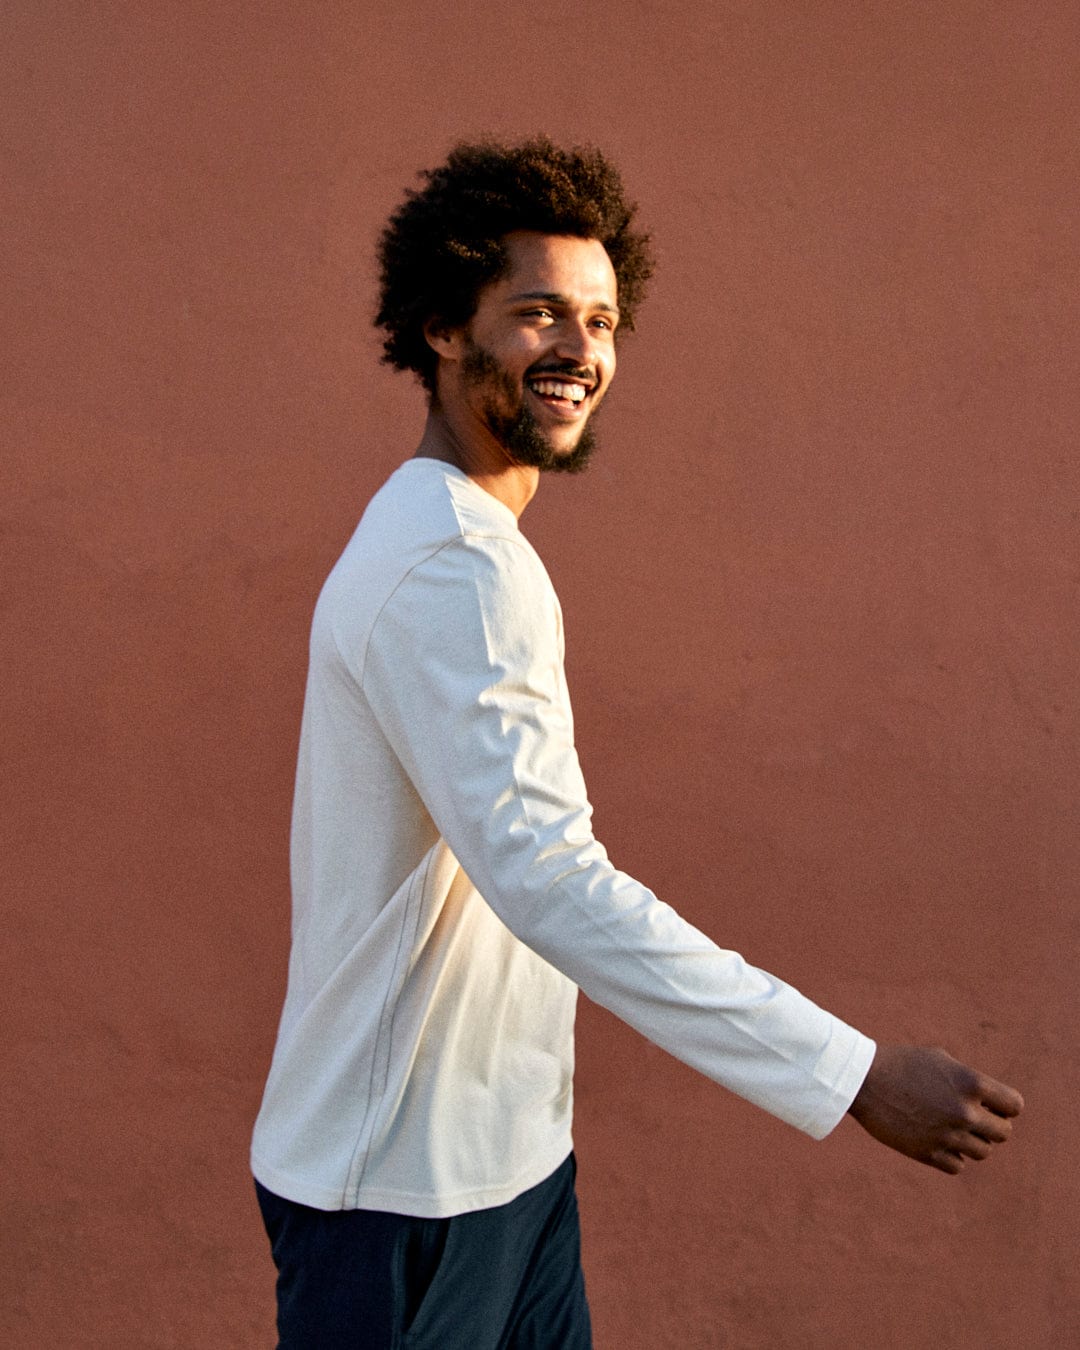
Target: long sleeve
x,y
463,672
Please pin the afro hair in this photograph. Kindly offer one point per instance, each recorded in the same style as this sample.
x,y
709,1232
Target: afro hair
x,y
444,243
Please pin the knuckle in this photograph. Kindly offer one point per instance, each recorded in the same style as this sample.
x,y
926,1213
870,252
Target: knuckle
x,y
969,1115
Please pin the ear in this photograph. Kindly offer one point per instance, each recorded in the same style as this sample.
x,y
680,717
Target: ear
x,y
443,340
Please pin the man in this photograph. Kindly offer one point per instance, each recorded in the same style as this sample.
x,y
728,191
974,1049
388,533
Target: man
x,y
413,1152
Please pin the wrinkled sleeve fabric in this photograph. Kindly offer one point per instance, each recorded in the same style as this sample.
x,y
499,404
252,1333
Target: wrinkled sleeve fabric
x,y
463,670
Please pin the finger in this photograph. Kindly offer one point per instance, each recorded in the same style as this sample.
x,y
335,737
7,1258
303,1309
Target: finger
x,y
1005,1101
973,1146
995,1129
946,1161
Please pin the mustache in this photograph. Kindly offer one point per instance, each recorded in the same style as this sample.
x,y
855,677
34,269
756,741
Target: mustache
x,y
564,368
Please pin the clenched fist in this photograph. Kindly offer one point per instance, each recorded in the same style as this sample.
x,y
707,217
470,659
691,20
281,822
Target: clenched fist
x,y
932,1108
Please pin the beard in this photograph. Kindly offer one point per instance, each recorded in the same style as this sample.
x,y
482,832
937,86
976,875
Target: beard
x,y
518,431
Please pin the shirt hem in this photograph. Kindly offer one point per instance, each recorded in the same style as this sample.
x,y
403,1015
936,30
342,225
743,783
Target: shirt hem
x,y
415,1205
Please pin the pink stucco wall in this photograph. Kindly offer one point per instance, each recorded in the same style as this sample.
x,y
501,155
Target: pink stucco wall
x,y
821,598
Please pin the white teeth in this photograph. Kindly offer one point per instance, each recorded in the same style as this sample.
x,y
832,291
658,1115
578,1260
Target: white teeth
x,y
557,389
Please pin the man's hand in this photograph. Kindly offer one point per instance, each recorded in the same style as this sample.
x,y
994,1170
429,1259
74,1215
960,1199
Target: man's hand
x,y
932,1108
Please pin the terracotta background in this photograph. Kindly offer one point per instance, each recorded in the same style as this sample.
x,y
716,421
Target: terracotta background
x,y
821,597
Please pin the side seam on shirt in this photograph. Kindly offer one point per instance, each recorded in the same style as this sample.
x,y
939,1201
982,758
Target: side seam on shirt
x,y
384,1036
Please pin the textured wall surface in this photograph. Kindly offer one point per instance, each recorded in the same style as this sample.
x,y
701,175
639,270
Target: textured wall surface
x,y
820,590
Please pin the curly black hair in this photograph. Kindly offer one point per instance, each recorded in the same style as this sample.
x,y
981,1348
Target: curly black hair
x,y
444,243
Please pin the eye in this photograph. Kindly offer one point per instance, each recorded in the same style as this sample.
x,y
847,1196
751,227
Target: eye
x,y
538,314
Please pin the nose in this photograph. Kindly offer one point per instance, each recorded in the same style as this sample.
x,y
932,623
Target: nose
x,y
576,342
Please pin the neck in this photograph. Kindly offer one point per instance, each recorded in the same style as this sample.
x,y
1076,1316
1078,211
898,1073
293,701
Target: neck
x,y
485,461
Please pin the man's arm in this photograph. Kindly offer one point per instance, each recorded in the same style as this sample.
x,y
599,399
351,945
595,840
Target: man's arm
x,y
930,1107
464,674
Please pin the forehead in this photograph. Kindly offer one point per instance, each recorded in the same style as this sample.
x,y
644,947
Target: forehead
x,y
558,264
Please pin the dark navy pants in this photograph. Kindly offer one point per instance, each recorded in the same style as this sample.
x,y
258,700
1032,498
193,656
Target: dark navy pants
x,y
507,1278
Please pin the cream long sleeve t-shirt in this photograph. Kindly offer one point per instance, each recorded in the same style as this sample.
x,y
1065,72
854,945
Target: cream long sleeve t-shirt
x,y
449,897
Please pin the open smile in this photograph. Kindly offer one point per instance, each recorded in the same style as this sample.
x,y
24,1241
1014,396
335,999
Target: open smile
x,y
565,396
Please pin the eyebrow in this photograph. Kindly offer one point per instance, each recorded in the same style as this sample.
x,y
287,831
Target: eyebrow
x,y
554,298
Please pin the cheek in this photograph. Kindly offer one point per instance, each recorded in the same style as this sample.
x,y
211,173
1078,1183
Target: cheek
x,y
524,351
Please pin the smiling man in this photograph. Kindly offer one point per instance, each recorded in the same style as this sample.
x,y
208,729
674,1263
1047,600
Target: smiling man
x,y
519,384
413,1152
539,353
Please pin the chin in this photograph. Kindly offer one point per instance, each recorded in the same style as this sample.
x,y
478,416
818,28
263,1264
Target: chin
x,y
571,461
526,442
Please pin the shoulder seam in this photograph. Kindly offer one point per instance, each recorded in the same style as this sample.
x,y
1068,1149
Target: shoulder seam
x,y
519,541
